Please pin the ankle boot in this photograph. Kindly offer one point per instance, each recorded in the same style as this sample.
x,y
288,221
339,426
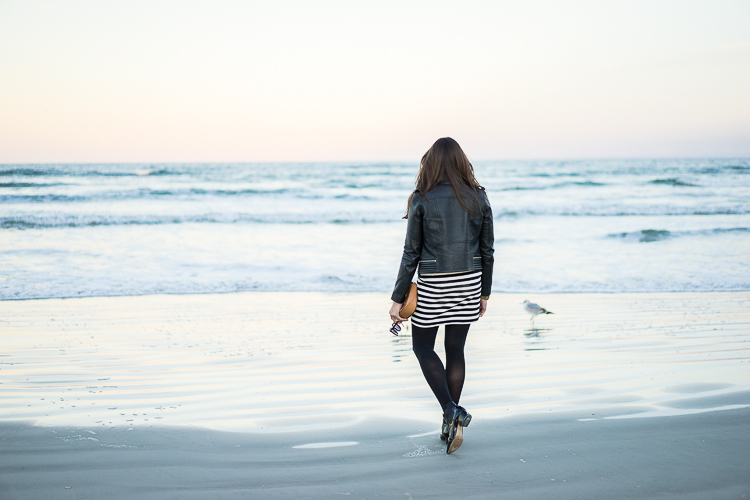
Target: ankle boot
x,y
461,419
464,416
444,430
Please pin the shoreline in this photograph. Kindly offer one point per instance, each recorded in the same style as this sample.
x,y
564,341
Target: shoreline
x,y
347,292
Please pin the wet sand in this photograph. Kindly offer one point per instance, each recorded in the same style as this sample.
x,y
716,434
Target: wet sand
x,y
703,456
207,396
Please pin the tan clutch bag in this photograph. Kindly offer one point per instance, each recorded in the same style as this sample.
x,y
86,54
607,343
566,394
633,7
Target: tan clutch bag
x,y
410,302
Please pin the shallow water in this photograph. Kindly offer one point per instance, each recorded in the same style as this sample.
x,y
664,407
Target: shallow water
x,y
268,362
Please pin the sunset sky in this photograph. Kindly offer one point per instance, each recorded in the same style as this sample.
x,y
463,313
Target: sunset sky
x,y
162,81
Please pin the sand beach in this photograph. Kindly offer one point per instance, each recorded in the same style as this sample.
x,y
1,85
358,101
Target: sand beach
x,y
202,220
306,394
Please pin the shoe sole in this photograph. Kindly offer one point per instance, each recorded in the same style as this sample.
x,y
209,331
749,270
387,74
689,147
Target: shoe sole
x,y
458,440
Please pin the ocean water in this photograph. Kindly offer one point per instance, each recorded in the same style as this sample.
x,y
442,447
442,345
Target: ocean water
x,y
77,230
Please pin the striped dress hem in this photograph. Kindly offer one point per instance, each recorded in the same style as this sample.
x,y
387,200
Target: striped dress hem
x,y
447,299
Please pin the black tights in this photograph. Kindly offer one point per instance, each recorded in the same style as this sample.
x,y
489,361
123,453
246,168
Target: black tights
x,y
446,382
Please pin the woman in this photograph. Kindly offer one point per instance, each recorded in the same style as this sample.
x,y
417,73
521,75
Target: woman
x,y
449,238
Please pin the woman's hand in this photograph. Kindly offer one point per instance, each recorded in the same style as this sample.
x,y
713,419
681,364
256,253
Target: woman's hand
x,y
482,307
395,309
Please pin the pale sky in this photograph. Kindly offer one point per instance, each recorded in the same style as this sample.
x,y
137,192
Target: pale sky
x,y
169,81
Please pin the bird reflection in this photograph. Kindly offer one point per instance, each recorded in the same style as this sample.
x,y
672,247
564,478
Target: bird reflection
x,y
534,339
535,332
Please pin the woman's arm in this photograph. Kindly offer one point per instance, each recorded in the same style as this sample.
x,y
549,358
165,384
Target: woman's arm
x,y
487,247
412,250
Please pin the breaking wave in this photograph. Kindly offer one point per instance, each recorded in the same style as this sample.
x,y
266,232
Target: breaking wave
x,y
651,235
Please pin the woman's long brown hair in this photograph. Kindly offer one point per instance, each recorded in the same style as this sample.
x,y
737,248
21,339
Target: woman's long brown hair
x,y
446,160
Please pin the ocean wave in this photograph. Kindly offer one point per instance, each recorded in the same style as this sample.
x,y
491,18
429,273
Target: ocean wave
x,y
24,171
55,221
28,184
551,186
616,211
651,235
333,284
142,193
138,173
233,192
672,182
41,198
61,219
645,235
66,171
195,228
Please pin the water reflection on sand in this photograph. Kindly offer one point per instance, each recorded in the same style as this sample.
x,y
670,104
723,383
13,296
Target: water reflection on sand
x,y
288,361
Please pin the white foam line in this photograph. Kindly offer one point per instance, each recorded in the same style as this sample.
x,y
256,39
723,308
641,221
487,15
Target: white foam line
x,y
424,434
674,413
334,444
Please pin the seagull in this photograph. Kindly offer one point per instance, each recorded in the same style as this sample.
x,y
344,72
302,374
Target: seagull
x,y
534,309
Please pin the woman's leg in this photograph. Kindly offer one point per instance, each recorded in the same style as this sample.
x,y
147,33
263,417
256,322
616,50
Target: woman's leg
x,y
423,344
455,365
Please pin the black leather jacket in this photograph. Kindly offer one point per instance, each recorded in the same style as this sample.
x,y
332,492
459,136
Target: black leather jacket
x,y
442,237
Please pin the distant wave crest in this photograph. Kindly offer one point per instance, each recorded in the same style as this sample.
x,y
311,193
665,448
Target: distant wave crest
x,y
672,182
651,235
83,172
51,221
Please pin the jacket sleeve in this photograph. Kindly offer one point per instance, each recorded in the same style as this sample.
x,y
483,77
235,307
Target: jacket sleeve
x,y
412,250
487,248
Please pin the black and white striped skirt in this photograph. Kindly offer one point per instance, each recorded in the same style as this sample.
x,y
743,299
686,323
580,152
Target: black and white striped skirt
x,y
447,299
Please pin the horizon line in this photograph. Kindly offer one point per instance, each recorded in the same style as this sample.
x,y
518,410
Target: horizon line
x,y
251,162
